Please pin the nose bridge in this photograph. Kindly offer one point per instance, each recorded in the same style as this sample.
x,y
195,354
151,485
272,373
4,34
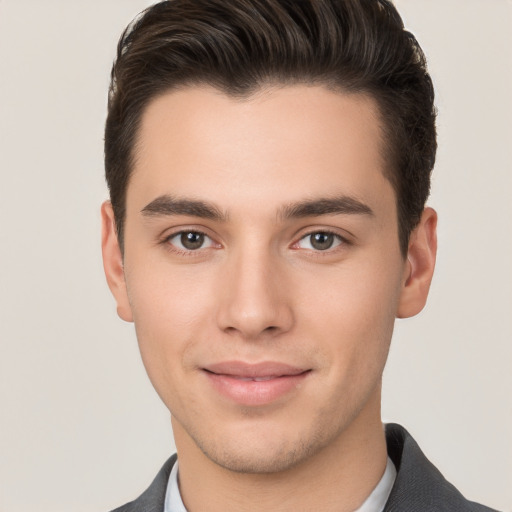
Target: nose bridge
x,y
254,301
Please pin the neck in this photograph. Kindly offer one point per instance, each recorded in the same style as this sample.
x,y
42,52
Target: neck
x,y
337,478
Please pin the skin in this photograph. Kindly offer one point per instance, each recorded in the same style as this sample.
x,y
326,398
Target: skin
x,y
259,290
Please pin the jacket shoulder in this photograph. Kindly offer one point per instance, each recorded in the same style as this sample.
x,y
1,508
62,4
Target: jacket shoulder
x,y
419,485
153,498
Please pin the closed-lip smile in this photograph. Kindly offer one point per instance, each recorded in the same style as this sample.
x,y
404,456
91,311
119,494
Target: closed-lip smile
x,y
253,384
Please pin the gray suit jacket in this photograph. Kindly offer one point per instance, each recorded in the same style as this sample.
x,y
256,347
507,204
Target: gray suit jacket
x,y
419,486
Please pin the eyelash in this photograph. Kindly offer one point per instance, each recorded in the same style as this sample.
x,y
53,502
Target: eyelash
x,y
186,252
342,241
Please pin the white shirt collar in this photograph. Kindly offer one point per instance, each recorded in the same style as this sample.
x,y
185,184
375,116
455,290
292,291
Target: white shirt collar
x,y
379,496
374,503
173,501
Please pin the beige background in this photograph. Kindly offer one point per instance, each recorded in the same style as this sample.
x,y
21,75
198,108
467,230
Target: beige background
x,y
80,426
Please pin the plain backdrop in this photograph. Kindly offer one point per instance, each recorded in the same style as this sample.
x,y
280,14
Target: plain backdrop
x,y
81,428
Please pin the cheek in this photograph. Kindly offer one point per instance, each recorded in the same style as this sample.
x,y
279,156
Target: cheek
x,y
353,316
170,310
167,300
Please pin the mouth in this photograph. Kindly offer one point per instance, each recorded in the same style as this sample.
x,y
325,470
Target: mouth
x,y
255,384
257,379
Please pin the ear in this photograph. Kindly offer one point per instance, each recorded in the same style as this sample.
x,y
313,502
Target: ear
x,y
113,262
419,267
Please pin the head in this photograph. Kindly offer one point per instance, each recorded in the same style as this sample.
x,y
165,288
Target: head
x,y
241,47
268,164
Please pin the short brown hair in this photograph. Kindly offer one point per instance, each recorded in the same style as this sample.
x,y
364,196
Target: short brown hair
x,y
239,46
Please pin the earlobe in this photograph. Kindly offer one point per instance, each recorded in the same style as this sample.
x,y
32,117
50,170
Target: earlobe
x,y
113,262
419,268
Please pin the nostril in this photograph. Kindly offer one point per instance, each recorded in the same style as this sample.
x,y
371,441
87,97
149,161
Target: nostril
x,y
271,330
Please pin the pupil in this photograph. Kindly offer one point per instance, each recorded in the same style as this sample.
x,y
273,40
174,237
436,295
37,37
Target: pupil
x,y
192,240
322,241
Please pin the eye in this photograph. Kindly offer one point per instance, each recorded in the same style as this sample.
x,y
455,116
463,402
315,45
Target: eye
x,y
190,240
320,241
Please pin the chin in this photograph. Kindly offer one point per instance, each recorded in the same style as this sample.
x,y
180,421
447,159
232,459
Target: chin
x,y
258,462
253,454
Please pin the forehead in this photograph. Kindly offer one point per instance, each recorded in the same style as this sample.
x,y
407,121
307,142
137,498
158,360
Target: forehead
x,y
277,145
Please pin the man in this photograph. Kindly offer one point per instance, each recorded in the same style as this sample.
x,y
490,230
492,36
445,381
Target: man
x,y
268,164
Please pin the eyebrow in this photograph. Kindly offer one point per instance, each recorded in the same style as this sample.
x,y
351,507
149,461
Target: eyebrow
x,y
325,206
167,205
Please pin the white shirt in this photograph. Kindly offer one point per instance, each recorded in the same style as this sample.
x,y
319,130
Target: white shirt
x,y
374,503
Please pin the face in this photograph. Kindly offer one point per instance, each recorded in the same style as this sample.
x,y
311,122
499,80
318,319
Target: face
x,y
262,269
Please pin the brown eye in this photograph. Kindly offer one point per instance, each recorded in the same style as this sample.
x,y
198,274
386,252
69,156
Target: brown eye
x,y
192,240
320,241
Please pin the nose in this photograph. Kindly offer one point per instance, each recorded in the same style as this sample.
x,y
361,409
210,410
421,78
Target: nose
x,y
254,299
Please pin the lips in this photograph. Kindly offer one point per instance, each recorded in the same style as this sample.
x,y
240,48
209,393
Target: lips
x,y
254,384
257,379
